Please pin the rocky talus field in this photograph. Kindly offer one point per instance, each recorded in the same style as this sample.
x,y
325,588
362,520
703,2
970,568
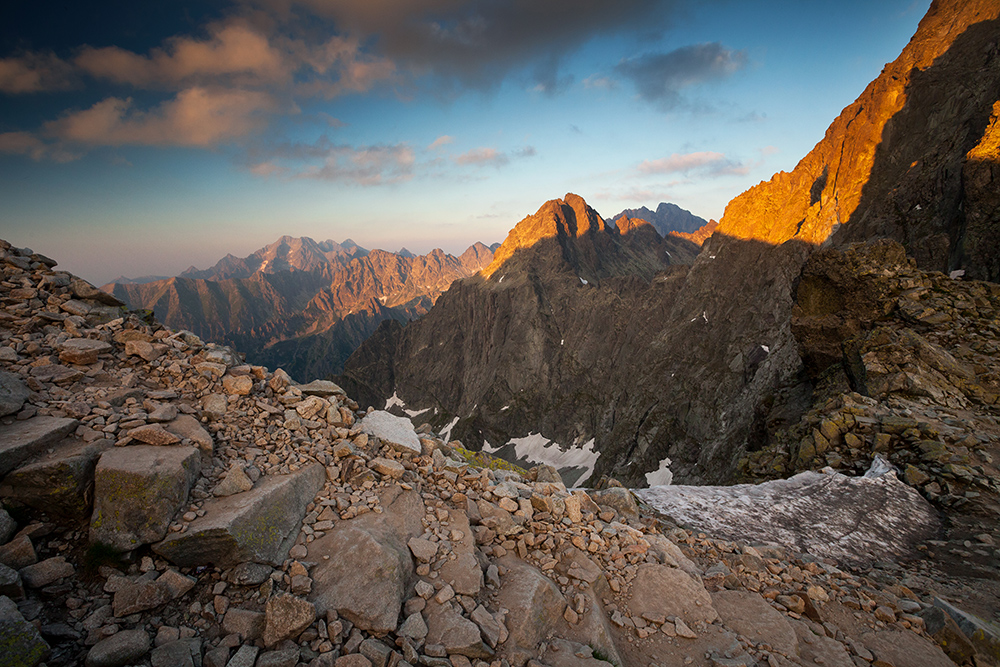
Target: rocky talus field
x,y
167,504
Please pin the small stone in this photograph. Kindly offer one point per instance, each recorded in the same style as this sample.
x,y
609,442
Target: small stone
x,y
683,630
236,481
286,616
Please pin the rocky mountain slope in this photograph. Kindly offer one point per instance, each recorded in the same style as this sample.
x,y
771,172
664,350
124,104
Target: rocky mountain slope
x,y
679,372
665,219
166,504
300,304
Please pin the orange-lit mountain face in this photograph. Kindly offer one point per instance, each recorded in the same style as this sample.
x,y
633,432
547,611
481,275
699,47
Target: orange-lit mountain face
x,y
908,160
565,335
299,304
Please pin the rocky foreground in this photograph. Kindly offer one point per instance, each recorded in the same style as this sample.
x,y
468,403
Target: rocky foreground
x,y
167,504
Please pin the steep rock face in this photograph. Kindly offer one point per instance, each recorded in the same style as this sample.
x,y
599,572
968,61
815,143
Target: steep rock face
x,y
299,304
685,368
894,163
666,218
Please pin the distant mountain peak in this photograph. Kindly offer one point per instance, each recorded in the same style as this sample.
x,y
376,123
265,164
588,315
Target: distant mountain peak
x,y
665,219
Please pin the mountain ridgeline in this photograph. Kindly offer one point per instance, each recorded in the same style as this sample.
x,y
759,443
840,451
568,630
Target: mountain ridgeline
x,y
587,333
298,304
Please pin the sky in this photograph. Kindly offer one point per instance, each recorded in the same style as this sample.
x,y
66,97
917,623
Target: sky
x,y
140,138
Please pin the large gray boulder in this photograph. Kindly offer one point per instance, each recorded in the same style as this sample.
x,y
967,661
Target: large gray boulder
x,y
369,569
23,439
259,525
397,432
137,491
13,393
660,590
22,645
58,481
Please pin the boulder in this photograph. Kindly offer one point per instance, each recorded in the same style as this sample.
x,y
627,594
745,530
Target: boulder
x,y
23,439
137,490
817,649
286,616
178,653
48,571
534,602
457,634
22,645
322,388
18,553
619,499
83,351
187,427
397,432
259,525
153,434
369,568
58,481
122,648
905,649
13,393
8,527
660,590
246,623
751,616
10,583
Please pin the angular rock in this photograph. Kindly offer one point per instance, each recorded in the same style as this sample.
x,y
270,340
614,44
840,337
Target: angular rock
x,y
10,583
245,657
322,388
23,439
369,567
666,591
457,634
413,627
122,648
82,351
7,526
286,616
60,481
137,490
423,550
619,499
751,616
153,434
247,623
397,432
240,385
18,553
905,649
259,525
288,657
388,467
13,393
22,645
178,653
187,427
464,574
250,574
534,602
236,481
214,406
46,572
135,596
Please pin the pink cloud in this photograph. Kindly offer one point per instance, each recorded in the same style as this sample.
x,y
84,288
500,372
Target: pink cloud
x,y
711,162
443,140
195,117
26,143
32,73
481,157
233,50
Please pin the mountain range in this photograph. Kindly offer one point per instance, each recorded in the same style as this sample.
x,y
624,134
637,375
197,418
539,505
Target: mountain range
x,y
576,340
300,304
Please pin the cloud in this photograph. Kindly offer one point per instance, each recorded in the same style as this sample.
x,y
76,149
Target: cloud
x,y
195,117
26,143
660,77
482,157
491,157
709,162
233,51
339,66
33,73
769,150
379,164
477,44
443,140
600,82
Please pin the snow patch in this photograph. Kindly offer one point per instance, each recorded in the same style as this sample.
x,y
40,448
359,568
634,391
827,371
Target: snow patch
x,y
538,449
583,281
662,476
394,400
446,431
766,348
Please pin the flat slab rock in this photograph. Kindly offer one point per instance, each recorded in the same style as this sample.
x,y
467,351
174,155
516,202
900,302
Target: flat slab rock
x,y
258,525
23,439
851,519
397,432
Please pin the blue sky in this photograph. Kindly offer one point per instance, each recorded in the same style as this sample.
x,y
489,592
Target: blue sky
x,y
143,141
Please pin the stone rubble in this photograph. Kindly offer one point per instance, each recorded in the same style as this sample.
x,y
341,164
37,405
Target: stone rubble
x,y
232,518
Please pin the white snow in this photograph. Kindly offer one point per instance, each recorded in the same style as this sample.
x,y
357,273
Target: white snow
x,y
704,315
583,281
506,407
562,341
446,431
766,348
536,448
394,400
392,429
501,279
662,475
